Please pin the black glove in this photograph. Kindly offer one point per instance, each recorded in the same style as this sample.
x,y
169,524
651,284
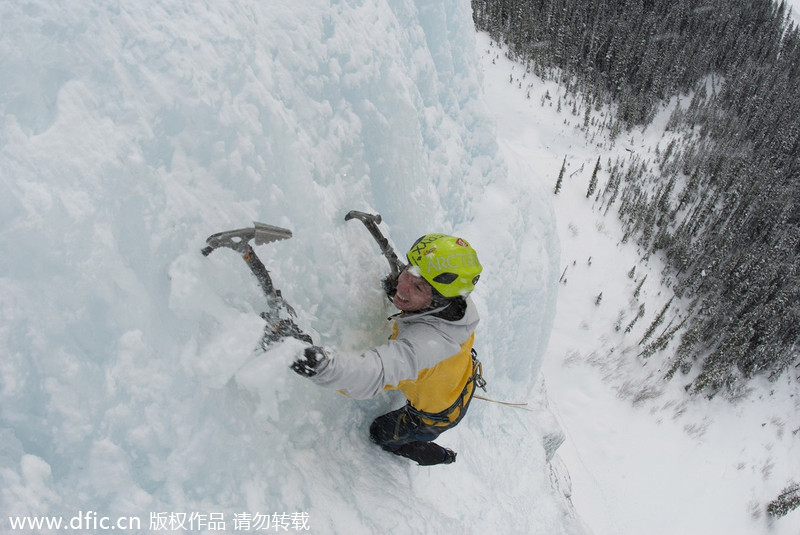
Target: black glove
x,y
307,364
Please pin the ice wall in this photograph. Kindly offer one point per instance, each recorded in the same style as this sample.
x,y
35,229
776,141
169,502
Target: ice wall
x,y
128,381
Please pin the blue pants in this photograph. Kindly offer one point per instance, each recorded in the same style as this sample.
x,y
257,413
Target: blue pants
x,y
402,433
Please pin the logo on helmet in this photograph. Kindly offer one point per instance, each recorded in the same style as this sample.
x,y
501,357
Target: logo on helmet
x,y
448,263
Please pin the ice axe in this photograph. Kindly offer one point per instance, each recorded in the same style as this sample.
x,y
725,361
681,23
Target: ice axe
x,y
239,241
371,221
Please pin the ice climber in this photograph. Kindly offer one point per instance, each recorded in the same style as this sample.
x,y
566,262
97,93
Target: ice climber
x,y
429,356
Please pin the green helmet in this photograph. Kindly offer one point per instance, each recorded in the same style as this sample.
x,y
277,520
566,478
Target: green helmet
x,y
448,263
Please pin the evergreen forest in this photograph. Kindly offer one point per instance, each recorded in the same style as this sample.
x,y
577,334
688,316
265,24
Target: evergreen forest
x,y
722,205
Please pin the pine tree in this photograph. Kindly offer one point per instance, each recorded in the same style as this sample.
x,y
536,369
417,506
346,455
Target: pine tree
x,y
593,180
561,176
788,501
639,287
656,322
639,314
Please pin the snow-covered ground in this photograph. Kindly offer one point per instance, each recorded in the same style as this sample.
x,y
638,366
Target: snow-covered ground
x,y
642,457
128,382
794,7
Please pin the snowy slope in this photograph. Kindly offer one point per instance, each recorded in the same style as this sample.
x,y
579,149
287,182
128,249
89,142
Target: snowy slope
x,y
128,382
794,7
643,458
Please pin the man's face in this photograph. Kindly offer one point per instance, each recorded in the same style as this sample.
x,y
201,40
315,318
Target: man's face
x,y
413,292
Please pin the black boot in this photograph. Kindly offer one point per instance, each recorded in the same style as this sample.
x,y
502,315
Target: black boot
x,y
425,453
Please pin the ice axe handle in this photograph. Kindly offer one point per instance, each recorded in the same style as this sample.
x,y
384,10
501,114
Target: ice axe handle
x,y
371,221
239,241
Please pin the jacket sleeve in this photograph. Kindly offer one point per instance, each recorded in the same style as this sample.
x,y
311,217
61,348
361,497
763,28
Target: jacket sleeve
x,y
364,376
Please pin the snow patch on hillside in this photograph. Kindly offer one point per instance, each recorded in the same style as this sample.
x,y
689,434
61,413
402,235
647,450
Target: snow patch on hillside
x,y
642,456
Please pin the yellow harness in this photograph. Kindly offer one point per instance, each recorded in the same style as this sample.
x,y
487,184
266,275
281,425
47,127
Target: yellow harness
x,y
440,395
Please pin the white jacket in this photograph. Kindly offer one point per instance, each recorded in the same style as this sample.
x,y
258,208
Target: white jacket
x,y
422,343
